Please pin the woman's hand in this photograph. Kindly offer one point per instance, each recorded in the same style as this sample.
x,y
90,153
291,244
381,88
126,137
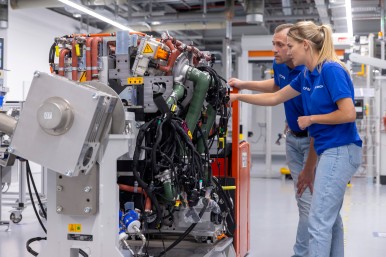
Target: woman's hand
x,y
304,122
232,98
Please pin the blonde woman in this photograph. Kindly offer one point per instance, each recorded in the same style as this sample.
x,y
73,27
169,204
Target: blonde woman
x,y
328,101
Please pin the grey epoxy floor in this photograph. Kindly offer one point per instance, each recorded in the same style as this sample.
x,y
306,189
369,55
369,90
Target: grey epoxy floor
x,y
273,221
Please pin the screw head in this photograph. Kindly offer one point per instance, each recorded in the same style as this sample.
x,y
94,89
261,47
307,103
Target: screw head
x,y
36,74
59,188
95,96
59,209
11,150
87,209
69,173
87,189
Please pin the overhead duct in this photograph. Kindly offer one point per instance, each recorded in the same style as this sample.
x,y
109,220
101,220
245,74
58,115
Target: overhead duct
x,y
21,4
254,10
97,2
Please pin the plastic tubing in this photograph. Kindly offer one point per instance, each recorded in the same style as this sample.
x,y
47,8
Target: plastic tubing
x,y
89,41
74,61
94,57
62,55
138,190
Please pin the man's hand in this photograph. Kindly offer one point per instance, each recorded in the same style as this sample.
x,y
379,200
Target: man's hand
x,y
304,122
237,83
306,179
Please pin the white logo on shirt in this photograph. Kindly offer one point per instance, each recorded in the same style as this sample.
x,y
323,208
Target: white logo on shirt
x,y
319,86
281,76
306,88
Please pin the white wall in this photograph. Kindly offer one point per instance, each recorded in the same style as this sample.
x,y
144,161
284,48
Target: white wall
x,y
29,37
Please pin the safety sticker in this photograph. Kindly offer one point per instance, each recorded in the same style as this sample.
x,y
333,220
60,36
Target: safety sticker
x,y
135,80
75,228
83,77
148,49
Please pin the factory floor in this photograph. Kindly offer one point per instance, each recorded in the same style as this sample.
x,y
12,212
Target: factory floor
x,y
273,219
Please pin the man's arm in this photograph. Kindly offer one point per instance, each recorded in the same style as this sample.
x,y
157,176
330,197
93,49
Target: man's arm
x,y
267,99
264,86
307,175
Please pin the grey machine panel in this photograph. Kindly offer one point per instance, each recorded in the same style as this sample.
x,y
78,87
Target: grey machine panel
x,y
73,148
78,195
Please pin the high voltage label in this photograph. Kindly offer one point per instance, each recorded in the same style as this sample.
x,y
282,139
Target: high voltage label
x,y
148,49
75,228
135,80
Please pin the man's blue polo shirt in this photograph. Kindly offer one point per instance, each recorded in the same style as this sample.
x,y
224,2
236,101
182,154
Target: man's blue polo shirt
x,y
283,75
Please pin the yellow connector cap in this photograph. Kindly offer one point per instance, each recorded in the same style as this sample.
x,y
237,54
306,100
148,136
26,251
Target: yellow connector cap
x,y
77,49
57,51
161,54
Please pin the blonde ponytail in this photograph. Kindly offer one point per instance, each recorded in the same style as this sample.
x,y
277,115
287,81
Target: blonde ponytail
x,y
320,38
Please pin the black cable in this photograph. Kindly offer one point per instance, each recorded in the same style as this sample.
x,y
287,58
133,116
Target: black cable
x,y
33,201
191,227
143,184
51,55
225,198
36,191
29,249
83,253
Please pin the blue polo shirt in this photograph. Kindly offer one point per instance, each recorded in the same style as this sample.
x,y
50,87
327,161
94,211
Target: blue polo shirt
x,y
283,75
320,92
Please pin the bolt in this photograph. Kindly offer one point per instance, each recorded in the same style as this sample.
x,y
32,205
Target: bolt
x,y
87,209
59,188
87,189
36,74
10,149
59,209
95,96
69,173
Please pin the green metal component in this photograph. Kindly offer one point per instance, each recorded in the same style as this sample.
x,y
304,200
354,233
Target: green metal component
x,y
177,94
168,191
202,81
211,113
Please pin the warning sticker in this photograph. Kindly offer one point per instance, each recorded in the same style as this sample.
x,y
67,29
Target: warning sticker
x,y
75,228
83,77
148,49
135,80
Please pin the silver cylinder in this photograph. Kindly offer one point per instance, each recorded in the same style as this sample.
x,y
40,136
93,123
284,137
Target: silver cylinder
x,y
22,4
7,124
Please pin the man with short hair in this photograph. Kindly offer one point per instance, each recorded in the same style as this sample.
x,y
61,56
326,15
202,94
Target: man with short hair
x,y
301,165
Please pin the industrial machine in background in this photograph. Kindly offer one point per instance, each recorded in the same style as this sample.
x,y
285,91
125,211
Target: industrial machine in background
x,y
140,114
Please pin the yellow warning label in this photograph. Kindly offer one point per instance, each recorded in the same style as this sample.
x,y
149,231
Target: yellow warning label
x,y
148,49
135,80
74,228
83,77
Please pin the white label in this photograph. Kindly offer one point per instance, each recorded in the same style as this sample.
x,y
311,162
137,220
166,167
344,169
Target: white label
x,y
244,159
47,115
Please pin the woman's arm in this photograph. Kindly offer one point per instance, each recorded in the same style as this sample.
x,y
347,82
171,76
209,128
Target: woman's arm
x,y
267,99
265,86
345,113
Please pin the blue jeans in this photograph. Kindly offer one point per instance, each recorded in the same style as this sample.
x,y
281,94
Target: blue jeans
x,y
335,168
297,152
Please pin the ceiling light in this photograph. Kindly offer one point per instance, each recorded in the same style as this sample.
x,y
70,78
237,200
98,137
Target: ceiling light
x,y
349,18
96,15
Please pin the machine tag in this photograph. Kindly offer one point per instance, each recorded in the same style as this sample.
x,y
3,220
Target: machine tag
x,y
80,237
148,49
74,228
135,80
